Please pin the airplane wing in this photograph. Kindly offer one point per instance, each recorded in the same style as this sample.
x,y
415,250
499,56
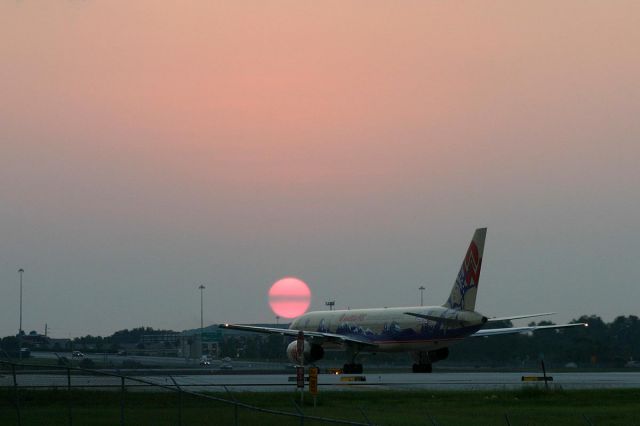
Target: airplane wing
x,y
315,336
516,330
457,317
495,319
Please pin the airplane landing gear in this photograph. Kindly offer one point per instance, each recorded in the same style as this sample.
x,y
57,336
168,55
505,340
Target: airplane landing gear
x,y
422,368
424,360
352,368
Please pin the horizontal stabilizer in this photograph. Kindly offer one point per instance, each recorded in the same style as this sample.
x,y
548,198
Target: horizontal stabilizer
x,y
516,330
496,319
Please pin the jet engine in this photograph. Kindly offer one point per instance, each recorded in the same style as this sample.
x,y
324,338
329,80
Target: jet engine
x,y
311,353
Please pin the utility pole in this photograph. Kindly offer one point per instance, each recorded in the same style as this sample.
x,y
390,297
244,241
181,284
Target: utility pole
x,y
421,288
330,304
201,288
20,271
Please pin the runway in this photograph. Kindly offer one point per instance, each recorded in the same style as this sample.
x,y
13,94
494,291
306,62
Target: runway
x,y
388,381
409,381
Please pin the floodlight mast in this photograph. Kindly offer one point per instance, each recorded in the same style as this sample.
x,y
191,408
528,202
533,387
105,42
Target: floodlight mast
x,y
20,271
201,288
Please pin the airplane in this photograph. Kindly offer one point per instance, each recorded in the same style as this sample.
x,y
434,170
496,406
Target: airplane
x,y
425,331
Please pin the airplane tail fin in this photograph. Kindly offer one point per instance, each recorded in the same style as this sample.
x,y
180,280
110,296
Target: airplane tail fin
x,y
465,288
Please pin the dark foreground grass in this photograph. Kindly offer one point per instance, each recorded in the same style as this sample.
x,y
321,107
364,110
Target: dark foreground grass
x,y
526,407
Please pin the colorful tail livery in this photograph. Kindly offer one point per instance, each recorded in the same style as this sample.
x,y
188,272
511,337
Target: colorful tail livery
x,y
464,291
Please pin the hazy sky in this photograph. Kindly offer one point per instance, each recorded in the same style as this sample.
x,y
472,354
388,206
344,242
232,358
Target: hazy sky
x,y
148,147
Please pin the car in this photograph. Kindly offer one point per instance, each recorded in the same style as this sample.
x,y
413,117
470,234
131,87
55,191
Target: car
x,y
77,354
121,353
226,366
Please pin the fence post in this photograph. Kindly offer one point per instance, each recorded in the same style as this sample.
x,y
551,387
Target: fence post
x,y
15,387
365,415
544,373
300,413
122,401
179,400
69,396
235,406
587,420
433,421
506,417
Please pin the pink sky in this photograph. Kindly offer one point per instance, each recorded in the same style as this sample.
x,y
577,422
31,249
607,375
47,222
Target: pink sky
x,y
289,135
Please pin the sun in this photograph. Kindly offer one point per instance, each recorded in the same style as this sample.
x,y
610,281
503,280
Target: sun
x,y
289,297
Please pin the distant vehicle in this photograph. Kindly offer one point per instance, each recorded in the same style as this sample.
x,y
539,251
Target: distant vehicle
x,y
77,354
205,360
121,353
226,366
425,331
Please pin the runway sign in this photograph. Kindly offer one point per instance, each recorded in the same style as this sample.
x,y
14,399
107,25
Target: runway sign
x,y
313,380
300,377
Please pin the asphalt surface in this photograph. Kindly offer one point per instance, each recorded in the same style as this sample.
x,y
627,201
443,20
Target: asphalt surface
x,y
410,381
390,381
244,377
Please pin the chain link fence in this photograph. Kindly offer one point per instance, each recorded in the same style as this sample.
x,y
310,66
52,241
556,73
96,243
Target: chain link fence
x,y
71,396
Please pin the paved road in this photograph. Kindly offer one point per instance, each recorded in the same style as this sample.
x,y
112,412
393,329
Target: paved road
x,y
117,359
397,381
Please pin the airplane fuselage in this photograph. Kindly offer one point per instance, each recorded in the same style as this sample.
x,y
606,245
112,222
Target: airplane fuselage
x,y
391,329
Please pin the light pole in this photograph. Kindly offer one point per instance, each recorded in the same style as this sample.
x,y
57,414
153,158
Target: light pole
x,y
330,304
20,271
421,288
201,314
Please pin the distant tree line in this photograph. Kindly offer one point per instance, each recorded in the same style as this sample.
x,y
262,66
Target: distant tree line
x,y
600,344
90,343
